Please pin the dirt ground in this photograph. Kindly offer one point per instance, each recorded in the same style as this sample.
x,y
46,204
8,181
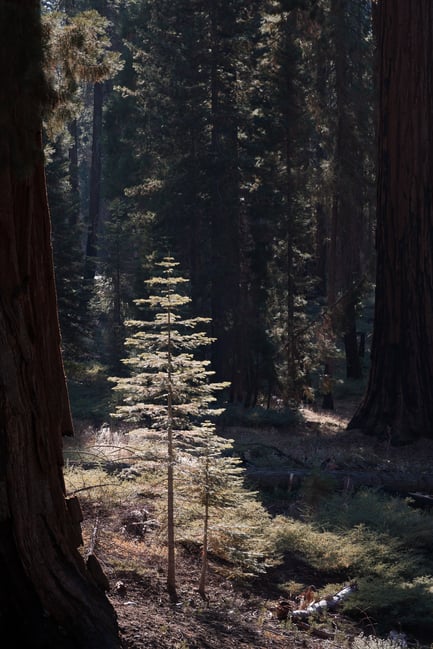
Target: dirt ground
x,y
236,615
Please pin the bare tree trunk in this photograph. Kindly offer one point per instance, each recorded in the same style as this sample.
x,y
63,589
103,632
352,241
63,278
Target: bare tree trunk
x,y
171,563
321,248
47,595
399,401
346,231
229,330
74,174
171,550
205,559
95,184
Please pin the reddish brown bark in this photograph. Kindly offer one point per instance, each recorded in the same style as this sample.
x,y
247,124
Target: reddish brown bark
x,y
399,398
47,595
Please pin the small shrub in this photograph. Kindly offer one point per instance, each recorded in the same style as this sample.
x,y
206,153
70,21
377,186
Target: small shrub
x,y
379,542
413,528
323,550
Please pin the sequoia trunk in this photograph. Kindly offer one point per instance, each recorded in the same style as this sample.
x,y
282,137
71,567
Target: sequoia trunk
x,y
47,595
399,401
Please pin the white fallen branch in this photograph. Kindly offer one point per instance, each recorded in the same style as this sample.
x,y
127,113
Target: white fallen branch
x,y
330,602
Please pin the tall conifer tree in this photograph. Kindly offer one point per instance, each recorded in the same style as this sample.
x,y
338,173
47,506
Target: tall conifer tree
x,y
48,596
167,384
398,403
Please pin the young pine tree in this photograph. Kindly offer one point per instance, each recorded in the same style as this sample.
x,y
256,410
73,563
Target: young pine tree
x,y
167,385
229,514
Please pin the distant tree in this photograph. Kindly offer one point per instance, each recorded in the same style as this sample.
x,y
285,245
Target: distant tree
x,y
280,132
191,154
77,52
350,32
48,597
398,402
167,386
234,138
67,232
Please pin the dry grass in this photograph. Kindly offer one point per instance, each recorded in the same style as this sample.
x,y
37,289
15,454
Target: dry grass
x,y
239,615
323,435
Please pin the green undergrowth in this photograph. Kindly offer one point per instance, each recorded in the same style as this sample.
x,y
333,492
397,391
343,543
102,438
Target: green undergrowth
x,y
380,542
377,541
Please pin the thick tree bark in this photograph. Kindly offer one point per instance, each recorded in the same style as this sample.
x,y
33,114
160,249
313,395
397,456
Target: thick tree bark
x,y
399,398
47,596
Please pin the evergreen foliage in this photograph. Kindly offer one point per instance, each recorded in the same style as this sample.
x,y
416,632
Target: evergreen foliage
x,y
239,136
168,387
217,481
378,541
78,51
68,251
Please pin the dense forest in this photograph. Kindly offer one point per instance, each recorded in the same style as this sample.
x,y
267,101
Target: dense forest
x,y
239,138
216,305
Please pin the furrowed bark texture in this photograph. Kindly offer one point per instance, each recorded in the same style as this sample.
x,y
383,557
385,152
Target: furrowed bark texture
x,y
399,397
47,596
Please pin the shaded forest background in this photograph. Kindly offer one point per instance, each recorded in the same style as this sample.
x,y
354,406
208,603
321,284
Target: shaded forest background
x,y
238,137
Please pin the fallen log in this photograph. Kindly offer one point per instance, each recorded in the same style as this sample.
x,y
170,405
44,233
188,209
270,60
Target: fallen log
x,y
399,482
328,603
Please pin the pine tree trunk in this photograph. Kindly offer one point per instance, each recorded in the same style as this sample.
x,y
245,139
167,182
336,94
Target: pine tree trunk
x,y
399,401
74,174
291,352
347,226
228,329
321,249
171,550
95,184
171,559
47,596
353,358
204,559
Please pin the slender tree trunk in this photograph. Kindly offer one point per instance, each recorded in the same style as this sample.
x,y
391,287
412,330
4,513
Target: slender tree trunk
x,y
74,174
353,357
171,561
332,261
321,248
291,355
204,558
45,585
95,184
346,232
399,402
230,333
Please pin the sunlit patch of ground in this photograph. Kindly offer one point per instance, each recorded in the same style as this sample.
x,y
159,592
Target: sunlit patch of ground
x,y
336,419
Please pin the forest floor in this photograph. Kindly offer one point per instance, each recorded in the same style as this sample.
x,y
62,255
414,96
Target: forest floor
x,y
238,614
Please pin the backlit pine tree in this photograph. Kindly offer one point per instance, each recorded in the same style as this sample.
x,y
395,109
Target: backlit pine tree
x,y
167,385
229,514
